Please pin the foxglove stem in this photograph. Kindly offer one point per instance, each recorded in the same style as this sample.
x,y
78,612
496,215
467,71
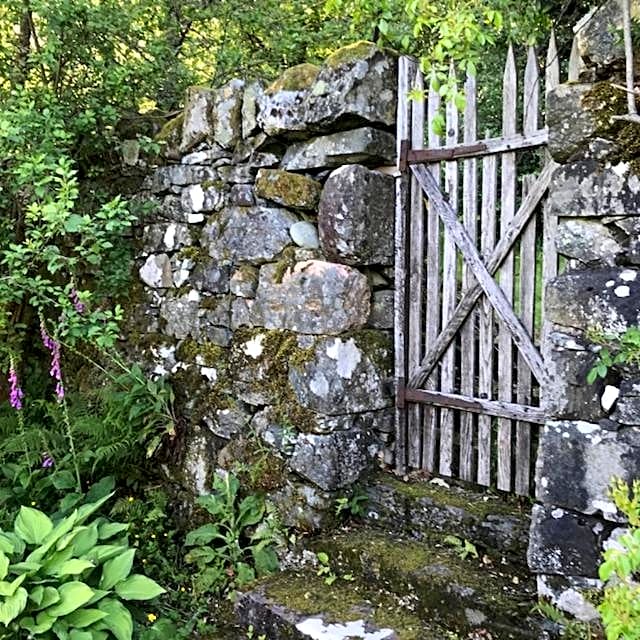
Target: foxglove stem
x,y
56,369
16,394
77,304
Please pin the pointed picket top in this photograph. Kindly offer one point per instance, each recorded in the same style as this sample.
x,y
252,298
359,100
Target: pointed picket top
x,y
531,97
552,75
417,125
509,94
576,64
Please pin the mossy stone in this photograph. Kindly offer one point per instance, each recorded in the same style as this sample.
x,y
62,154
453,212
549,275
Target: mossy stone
x,y
297,78
361,50
288,189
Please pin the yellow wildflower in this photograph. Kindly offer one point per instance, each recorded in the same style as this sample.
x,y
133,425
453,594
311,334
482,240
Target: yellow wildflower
x,y
152,617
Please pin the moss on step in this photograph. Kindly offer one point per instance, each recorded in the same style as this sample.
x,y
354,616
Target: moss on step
x,y
308,595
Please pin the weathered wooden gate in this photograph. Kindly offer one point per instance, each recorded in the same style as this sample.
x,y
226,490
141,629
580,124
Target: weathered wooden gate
x,y
473,248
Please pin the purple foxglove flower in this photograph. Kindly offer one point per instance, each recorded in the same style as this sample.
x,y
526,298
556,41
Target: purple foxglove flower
x,y
77,304
15,392
56,369
47,460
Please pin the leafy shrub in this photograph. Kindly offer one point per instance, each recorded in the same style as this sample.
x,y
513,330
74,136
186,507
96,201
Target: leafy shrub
x,y
620,607
622,349
67,579
238,545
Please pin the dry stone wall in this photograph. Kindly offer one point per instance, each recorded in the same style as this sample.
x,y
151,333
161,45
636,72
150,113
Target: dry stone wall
x,y
266,264
594,431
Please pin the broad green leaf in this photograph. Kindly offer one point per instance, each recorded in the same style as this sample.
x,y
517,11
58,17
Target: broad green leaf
x,y
62,528
63,480
202,535
4,565
26,567
41,624
85,540
85,617
50,596
73,595
53,564
32,525
116,569
73,567
80,635
6,544
118,619
101,489
245,573
9,588
13,606
109,529
98,594
103,552
138,587
36,595
87,510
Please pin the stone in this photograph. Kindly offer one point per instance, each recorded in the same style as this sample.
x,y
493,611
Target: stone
x,y
588,242
216,310
198,118
602,299
578,112
587,188
227,114
599,36
180,175
242,315
302,506
364,146
197,198
332,461
156,271
241,195
252,234
313,297
627,409
237,174
181,315
565,543
305,235
206,156
244,281
182,269
288,189
356,216
211,277
282,439
130,152
381,316
230,421
357,84
571,595
577,461
568,359
170,137
250,98
282,107
345,375
198,462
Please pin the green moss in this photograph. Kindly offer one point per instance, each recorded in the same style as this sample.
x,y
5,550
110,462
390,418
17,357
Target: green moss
x,y
343,601
171,132
351,53
198,255
203,353
376,345
213,184
296,78
289,189
604,101
285,263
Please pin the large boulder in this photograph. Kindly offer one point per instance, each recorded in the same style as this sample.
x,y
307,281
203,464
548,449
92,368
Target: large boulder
x,y
357,84
288,189
252,234
356,216
364,146
577,461
587,188
313,297
227,114
199,121
345,375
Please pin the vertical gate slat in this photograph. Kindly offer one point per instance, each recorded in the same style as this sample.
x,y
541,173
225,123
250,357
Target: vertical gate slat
x,y
486,335
552,66
531,100
507,210
401,247
448,369
416,276
468,341
576,65
432,313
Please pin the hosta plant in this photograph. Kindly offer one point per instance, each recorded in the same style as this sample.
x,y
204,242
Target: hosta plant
x,y
68,579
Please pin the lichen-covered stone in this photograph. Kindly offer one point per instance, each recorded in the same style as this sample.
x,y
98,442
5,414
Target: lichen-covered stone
x,y
565,543
587,241
199,121
229,421
587,188
252,234
313,297
364,146
197,198
627,409
211,277
571,594
345,375
288,189
576,113
250,97
331,461
356,215
180,175
244,281
302,506
156,271
357,84
603,299
170,137
199,460
241,195
576,462
227,114
297,78
181,315
381,316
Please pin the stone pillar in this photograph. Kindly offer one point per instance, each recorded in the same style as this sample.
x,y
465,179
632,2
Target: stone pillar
x,y
267,272
594,431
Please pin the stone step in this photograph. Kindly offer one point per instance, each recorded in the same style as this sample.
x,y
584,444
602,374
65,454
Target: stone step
x,y
418,508
383,587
